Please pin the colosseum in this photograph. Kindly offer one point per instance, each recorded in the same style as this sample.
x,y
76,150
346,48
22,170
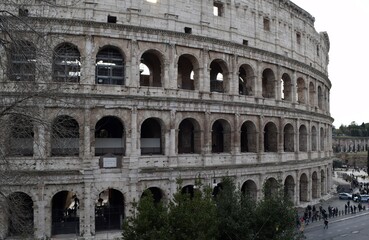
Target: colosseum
x,y
111,98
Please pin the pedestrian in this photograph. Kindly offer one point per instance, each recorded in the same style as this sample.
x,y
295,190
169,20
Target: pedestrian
x,y
325,223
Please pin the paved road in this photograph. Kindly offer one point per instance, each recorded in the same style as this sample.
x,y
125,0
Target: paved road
x,y
353,227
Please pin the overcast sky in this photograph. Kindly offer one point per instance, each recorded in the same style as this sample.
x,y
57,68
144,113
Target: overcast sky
x,y
347,25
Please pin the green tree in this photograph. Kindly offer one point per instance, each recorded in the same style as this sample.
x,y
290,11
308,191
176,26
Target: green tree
x,y
275,217
193,215
235,212
149,220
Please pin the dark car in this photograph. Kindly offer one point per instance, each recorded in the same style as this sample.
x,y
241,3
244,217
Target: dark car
x,y
345,196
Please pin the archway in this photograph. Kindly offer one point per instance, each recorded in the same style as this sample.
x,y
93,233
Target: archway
x,y
248,137
109,137
20,215
156,193
151,137
304,188
109,210
314,186
221,137
65,136
270,138
271,187
249,189
189,139
289,188
268,84
65,213
288,138
303,136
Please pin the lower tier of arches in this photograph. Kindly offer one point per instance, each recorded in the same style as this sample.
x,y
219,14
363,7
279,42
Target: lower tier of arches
x,y
92,203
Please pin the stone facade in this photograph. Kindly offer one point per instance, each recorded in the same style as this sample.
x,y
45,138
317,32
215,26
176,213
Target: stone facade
x,y
167,89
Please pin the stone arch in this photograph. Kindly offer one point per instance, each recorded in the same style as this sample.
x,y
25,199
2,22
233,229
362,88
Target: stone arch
x,y
188,72
314,139
245,80
288,138
65,213
248,137
66,63
315,185
189,136
322,139
109,210
152,138
109,136
249,188
268,83
65,136
303,137
156,193
271,187
301,89
311,94
286,87
19,214
320,97
304,191
270,137
289,188
151,68
22,61
188,189
221,136
218,76
21,135
322,182
110,66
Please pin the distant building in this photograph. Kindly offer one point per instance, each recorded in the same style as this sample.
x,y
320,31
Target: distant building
x,y
160,90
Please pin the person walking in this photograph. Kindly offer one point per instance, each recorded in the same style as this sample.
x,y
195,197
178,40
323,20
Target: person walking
x,y
325,223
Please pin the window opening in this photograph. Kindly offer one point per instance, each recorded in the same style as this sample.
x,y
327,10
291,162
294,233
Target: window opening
x,y
298,38
109,67
67,64
188,30
266,23
218,9
23,61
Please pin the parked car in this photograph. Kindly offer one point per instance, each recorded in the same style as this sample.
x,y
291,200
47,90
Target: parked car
x,y
361,198
345,196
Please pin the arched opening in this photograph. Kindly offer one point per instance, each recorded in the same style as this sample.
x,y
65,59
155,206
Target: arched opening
x,y
189,190
271,187
151,69
151,137
216,188
314,138
314,186
109,210
270,138
189,139
22,61
288,138
19,213
322,139
156,193
221,137
65,137
109,137
109,66
303,137
289,188
65,213
187,72
311,94
245,80
218,76
320,98
286,87
66,63
300,90
249,189
21,136
248,137
303,188
322,182
268,84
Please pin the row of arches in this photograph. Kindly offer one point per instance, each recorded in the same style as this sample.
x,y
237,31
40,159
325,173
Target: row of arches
x,y
110,68
110,137
110,204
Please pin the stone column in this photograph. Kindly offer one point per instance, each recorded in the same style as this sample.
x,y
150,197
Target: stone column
x,y
207,134
294,88
258,83
233,76
133,65
88,62
205,79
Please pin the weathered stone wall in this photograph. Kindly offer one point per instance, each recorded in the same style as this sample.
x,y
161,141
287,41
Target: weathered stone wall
x,y
158,29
